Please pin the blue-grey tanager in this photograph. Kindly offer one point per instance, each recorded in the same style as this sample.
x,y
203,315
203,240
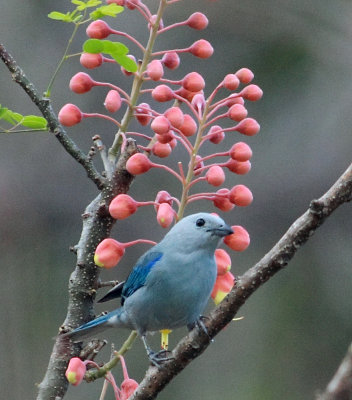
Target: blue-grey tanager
x,y
170,284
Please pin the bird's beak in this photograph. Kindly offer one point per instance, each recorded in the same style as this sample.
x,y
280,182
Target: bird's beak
x,y
221,231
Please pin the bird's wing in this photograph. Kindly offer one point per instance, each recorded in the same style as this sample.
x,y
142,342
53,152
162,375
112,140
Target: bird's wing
x,y
113,293
139,274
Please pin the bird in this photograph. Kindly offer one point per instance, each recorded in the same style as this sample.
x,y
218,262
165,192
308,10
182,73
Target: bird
x,y
169,286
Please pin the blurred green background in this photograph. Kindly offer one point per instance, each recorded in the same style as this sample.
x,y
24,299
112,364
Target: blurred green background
x,y
297,327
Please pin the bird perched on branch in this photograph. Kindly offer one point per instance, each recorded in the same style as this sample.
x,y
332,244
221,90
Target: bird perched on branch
x,y
170,284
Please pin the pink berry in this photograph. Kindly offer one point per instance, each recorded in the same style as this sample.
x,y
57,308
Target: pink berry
x,y
216,134
90,61
75,371
155,70
122,206
231,82
189,126
160,125
108,253
245,75
237,112
239,167
112,101
81,83
223,261
175,116
234,99
138,164
202,49
197,21
70,115
215,175
164,197
128,387
223,285
241,152
152,20
193,82
162,93
222,202
173,143
165,137
161,150
239,240
252,93
143,113
198,102
198,165
186,94
165,215
98,29
131,4
248,126
171,60
241,196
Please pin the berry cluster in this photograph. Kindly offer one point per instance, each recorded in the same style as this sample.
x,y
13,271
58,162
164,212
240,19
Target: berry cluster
x,y
77,368
187,119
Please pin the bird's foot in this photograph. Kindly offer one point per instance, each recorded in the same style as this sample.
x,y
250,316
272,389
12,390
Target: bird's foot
x,y
157,358
200,325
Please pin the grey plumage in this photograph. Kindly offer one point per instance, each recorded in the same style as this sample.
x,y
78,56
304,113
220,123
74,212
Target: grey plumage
x,y
170,284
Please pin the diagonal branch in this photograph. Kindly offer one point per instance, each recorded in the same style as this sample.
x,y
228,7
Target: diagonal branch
x,y
340,386
274,261
44,106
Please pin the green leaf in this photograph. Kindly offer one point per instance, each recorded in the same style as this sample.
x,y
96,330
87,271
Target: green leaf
x,y
93,3
29,121
93,46
34,122
10,116
125,62
3,111
110,10
114,47
17,117
83,5
60,16
79,3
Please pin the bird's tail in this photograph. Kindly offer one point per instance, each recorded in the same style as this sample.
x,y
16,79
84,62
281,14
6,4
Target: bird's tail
x,y
94,327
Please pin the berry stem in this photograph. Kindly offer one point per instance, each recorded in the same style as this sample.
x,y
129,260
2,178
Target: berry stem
x,y
129,244
192,163
175,25
129,37
137,84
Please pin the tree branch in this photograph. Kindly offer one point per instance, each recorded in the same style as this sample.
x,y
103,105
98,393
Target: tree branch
x,y
274,261
340,386
44,106
84,280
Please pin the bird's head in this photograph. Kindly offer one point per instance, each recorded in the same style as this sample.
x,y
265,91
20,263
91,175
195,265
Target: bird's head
x,y
201,230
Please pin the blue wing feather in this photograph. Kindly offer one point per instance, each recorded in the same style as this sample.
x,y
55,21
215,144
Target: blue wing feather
x,y
139,273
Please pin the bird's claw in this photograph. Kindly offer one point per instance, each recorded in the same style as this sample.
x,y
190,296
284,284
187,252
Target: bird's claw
x,y
157,358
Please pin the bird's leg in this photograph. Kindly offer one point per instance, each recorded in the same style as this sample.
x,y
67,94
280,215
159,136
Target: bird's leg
x,y
155,357
200,325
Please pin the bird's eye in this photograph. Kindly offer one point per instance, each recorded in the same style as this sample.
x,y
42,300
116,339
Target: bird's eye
x,y
200,222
